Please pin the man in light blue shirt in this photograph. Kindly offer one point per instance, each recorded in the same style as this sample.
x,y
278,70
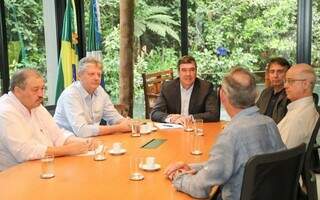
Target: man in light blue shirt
x,y
83,104
249,133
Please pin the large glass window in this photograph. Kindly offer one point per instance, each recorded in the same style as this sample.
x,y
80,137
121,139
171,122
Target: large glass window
x,y
25,35
315,48
156,42
224,34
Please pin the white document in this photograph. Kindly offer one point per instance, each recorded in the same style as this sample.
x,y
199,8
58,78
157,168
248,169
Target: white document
x,y
89,153
167,125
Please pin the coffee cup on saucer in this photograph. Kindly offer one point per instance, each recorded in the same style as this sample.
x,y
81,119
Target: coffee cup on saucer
x,y
117,147
145,129
150,162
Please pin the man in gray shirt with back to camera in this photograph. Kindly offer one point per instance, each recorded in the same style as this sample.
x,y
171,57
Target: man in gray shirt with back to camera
x,y
247,134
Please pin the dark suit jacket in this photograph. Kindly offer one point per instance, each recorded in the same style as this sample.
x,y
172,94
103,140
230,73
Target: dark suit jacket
x,y
280,108
203,101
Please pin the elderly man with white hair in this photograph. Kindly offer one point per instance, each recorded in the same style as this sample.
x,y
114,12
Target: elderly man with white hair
x,y
297,125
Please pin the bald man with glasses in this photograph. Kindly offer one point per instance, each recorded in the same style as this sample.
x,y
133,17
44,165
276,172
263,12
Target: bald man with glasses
x,y
296,127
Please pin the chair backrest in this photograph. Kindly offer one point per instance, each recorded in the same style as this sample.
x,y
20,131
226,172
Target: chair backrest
x,y
122,109
315,98
273,176
152,86
308,165
51,109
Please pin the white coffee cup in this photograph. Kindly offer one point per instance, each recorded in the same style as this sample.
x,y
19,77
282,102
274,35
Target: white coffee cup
x,y
145,128
117,146
150,161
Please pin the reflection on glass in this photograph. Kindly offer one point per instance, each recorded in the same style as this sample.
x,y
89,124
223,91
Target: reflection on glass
x,y
315,45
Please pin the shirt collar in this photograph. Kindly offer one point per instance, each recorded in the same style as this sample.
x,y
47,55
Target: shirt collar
x,y
300,103
190,88
246,111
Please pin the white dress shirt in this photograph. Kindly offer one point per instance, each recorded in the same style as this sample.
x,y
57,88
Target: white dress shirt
x,y
24,135
297,126
185,100
81,113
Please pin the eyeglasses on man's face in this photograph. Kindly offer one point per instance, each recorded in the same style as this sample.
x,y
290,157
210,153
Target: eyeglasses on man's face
x,y
290,81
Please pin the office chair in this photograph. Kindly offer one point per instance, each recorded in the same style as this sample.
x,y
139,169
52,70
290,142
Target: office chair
x,y
311,156
274,175
152,86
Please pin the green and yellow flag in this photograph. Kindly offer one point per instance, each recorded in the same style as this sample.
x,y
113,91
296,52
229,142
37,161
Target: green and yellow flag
x,y
68,59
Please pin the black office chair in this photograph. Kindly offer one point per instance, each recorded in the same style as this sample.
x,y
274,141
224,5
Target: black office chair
x,y
315,98
273,176
308,177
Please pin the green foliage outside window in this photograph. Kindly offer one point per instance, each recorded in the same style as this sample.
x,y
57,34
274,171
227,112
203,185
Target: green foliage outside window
x,y
25,32
250,31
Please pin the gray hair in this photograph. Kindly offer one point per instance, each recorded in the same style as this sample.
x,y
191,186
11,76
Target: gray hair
x,y
240,88
19,78
89,59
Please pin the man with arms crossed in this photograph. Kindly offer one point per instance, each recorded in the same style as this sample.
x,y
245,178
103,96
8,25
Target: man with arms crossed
x,y
27,130
273,100
186,95
296,127
247,134
83,104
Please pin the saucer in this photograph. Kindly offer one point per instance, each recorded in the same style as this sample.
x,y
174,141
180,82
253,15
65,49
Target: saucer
x,y
145,132
120,152
147,168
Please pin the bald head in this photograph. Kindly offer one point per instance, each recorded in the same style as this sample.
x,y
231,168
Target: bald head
x,y
240,88
305,71
300,81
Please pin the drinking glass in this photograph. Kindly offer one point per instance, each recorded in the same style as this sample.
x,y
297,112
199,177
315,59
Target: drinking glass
x,y
188,123
196,144
135,128
47,166
99,152
198,126
135,163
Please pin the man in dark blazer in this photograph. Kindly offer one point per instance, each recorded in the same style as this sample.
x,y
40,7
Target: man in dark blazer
x,y
273,100
185,96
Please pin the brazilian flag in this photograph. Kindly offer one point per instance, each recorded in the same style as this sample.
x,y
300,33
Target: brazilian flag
x,y
68,59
